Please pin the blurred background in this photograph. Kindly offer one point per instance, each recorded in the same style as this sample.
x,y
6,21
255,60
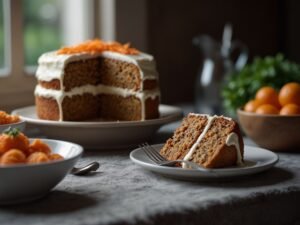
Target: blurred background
x,y
165,29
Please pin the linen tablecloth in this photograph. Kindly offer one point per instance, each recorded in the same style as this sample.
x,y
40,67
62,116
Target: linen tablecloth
x,y
124,193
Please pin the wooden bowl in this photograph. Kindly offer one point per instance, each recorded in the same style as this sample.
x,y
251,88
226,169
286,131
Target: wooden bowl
x,y
273,132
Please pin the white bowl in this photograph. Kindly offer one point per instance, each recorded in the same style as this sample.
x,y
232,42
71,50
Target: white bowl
x,y
27,182
20,125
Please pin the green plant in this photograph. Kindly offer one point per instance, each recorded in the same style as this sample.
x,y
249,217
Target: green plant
x,y
272,71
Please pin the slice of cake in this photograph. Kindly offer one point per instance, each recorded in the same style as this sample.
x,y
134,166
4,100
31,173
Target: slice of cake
x,y
97,79
210,141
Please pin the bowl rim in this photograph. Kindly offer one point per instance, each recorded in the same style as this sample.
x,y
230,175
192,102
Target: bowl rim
x,y
46,164
242,112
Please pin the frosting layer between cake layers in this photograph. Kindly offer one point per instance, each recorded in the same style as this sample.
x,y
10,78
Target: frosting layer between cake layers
x,y
52,66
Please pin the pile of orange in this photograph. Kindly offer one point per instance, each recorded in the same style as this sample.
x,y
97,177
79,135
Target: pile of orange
x,y
15,148
269,101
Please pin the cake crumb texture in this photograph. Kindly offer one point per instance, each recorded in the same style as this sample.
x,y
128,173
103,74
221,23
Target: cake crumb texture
x,y
184,137
53,84
80,107
81,73
47,108
119,74
89,107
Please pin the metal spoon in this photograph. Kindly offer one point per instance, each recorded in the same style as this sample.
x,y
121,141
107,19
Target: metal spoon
x,y
86,169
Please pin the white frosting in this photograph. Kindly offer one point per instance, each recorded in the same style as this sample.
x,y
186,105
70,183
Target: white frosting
x,y
233,139
59,95
199,115
51,64
188,156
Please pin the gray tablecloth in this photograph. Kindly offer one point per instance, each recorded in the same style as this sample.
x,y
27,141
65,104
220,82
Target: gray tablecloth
x,y
124,193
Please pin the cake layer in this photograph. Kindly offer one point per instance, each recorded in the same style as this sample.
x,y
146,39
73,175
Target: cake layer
x,y
81,73
89,106
52,66
120,74
210,141
184,137
119,108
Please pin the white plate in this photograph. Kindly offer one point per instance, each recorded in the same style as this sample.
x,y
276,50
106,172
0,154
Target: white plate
x,y
99,134
256,160
23,183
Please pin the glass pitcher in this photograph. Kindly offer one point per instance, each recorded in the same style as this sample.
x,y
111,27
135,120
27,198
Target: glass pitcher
x,y
217,63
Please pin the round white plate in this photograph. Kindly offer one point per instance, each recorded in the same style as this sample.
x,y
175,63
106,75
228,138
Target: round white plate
x,y
101,134
256,160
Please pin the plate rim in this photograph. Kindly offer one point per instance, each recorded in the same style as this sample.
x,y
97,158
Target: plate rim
x,y
175,115
210,173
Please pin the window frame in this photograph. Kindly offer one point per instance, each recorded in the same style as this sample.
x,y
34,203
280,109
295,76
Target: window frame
x,y
15,86
17,81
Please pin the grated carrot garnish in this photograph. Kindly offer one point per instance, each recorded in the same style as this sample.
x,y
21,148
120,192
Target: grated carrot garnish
x,y
98,46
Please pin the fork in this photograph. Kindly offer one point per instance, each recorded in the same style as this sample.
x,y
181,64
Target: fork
x,y
161,161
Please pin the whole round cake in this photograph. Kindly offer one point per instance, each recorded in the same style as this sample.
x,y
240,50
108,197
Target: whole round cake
x,y
97,79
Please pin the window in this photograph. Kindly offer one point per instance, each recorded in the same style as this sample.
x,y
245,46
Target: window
x,y
29,28
1,36
42,28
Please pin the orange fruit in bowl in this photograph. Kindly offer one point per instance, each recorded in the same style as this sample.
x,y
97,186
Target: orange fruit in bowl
x,y
252,105
267,95
289,93
12,140
290,109
13,156
267,109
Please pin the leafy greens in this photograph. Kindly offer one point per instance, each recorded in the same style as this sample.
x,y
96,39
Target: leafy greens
x,y
241,86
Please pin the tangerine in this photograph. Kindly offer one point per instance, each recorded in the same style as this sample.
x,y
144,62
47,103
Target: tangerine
x,y
18,141
289,93
290,109
13,156
252,105
267,109
267,95
55,156
38,146
37,157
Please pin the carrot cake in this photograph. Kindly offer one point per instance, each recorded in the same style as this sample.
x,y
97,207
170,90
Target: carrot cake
x,y
210,141
97,79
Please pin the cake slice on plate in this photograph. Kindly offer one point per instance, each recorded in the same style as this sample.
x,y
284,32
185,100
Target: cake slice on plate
x,y
210,141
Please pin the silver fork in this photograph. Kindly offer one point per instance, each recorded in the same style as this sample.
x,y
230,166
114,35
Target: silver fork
x,y
161,161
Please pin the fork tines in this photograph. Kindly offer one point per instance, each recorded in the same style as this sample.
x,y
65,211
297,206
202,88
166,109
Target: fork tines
x,y
152,153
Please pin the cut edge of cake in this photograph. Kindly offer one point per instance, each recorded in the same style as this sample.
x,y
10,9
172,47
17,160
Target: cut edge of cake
x,y
210,141
52,70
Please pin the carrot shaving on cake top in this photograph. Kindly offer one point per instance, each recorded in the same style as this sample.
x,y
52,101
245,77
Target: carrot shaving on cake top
x,y
98,46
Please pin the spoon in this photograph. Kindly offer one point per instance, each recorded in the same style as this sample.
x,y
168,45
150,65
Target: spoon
x,y
85,169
